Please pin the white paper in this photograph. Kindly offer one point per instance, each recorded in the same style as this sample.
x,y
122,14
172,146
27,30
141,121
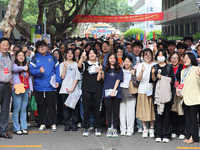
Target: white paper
x,y
72,100
53,81
109,91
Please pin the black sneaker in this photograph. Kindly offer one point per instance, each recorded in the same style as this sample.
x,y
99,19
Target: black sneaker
x,y
74,128
67,129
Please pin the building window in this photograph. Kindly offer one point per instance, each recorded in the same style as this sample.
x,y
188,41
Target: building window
x,y
194,27
169,3
176,29
187,28
181,30
172,28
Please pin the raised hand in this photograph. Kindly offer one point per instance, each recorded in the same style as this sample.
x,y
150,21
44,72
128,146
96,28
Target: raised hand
x,y
143,68
65,64
153,70
26,68
84,56
42,69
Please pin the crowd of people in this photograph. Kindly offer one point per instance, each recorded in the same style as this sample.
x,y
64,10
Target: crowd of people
x,y
151,86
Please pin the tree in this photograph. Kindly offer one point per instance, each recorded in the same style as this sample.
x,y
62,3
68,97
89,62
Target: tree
x,y
9,21
59,16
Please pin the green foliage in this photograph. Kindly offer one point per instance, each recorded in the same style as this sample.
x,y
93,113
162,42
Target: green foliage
x,y
157,33
196,36
30,12
4,3
173,37
129,33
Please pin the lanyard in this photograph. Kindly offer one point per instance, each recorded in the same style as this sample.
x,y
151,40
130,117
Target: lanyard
x,y
175,74
3,62
185,74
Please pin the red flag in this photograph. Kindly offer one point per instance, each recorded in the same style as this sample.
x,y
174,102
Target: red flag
x,y
154,35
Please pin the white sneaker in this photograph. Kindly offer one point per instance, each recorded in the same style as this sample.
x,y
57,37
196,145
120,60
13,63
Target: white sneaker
x,y
54,128
42,127
166,140
91,128
114,133
181,137
199,131
151,133
145,133
140,130
123,133
129,133
109,133
158,140
86,132
98,132
173,135
79,125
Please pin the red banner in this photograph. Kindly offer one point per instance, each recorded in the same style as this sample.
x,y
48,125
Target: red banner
x,y
124,18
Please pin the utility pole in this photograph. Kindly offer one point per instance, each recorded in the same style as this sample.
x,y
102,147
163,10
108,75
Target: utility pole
x,y
47,5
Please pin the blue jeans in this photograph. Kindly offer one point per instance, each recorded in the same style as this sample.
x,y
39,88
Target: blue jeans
x,y
20,102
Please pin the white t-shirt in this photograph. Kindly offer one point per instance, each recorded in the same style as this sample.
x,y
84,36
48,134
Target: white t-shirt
x,y
127,78
71,74
144,83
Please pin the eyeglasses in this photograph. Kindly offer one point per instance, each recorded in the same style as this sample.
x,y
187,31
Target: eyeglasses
x,y
174,58
41,47
147,56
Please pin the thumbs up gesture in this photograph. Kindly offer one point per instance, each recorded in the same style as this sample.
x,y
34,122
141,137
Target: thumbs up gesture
x,y
153,70
42,69
143,68
84,56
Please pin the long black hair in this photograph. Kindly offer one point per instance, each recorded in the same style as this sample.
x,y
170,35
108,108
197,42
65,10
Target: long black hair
x,y
17,62
60,55
116,65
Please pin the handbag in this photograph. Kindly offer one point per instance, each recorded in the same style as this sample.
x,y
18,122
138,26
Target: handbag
x,y
19,88
132,88
134,80
33,104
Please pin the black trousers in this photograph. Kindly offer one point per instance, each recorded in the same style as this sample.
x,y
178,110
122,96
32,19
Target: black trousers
x,y
59,107
92,100
69,113
178,123
162,126
191,121
46,103
112,111
5,97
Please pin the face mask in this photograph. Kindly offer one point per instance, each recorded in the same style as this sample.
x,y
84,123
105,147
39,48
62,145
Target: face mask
x,y
161,59
27,58
142,58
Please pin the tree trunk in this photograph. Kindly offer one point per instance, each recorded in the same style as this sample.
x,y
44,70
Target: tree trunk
x,y
23,27
9,21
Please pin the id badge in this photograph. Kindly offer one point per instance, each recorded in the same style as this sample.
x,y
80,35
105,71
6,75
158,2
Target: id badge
x,y
180,86
176,84
6,71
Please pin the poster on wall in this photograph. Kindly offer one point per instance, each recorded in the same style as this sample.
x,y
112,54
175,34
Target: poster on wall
x,y
47,38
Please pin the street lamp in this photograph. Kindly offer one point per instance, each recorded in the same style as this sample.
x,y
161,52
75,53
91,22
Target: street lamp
x,y
47,5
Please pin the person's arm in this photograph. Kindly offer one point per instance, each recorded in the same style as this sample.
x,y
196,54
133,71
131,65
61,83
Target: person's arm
x,y
153,76
82,59
139,77
34,70
73,86
58,79
17,68
64,67
115,87
99,76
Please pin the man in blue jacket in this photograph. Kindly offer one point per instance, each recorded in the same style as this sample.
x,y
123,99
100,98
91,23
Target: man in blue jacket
x,y
44,68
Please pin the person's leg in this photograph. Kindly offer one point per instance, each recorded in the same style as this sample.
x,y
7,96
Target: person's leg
x,y
130,114
194,123
166,124
175,122
42,107
87,99
5,97
66,114
157,124
23,114
81,108
181,120
187,121
17,102
109,104
51,106
74,113
123,116
59,108
96,109
116,103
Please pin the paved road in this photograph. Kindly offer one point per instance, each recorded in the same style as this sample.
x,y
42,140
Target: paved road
x,y
62,140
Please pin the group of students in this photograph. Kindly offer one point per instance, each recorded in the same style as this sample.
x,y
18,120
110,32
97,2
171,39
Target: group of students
x,y
80,76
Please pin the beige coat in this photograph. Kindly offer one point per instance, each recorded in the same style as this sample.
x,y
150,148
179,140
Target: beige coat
x,y
191,88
